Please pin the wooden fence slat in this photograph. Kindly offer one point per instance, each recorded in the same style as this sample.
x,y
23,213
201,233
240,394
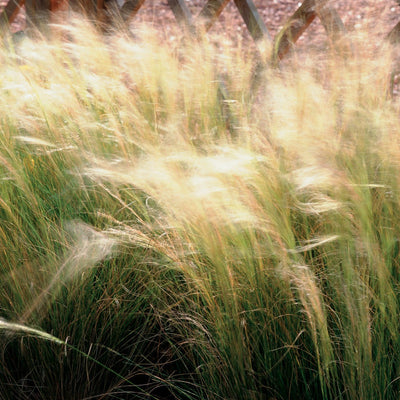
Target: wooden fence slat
x,y
37,12
294,28
210,12
331,21
130,8
182,14
9,13
253,20
394,35
300,21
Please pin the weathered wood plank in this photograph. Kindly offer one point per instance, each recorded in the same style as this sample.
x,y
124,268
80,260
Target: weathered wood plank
x,y
210,12
301,20
331,21
9,13
294,28
182,14
37,12
130,8
253,20
394,35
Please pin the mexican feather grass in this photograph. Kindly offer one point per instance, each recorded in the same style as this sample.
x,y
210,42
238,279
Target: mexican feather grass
x,y
155,245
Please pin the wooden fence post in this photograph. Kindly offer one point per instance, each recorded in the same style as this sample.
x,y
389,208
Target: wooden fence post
x,y
129,9
210,12
252,19
9,13
37,12
182,14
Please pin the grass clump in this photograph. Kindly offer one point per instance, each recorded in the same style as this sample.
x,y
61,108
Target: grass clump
x,y
159,243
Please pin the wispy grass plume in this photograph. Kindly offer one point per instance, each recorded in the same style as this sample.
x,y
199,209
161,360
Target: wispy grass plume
x,y
191,246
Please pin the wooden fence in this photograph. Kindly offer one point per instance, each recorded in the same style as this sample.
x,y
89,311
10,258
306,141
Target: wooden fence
x,y
103,12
